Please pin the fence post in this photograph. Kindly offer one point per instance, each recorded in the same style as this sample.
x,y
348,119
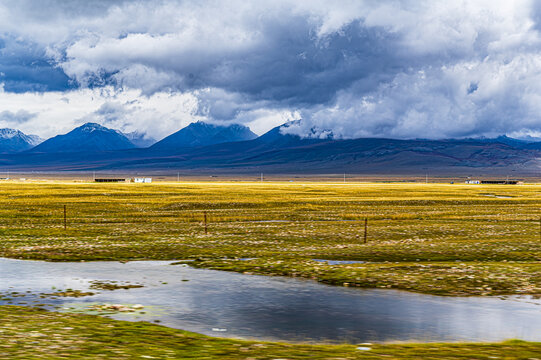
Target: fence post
x,y
365,229
205,216
65,218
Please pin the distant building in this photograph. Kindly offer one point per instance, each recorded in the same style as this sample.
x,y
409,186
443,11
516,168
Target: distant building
x,y
502,182
473,181
109,180
142,180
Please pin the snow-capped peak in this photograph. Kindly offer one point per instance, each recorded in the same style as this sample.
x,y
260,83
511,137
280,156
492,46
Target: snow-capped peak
x,y
9,133
90,127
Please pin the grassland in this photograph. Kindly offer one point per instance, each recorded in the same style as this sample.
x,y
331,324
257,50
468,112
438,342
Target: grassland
x,y
433,238
440,239
27,333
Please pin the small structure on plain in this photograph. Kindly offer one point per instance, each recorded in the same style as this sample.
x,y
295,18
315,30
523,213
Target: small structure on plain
x,y
103,180
142,180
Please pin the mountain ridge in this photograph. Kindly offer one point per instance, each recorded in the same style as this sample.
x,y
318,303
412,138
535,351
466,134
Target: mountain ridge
x,y
12,141
279,152
199,134
89,137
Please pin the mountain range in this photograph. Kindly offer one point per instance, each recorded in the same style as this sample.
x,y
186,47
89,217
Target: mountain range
x,y
12,141
92,138
203,134
89,137
208,148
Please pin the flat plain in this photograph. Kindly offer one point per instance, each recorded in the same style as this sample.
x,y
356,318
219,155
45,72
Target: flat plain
x,y
443,239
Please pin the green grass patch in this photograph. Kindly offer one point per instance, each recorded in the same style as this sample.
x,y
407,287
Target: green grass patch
x,y
27,333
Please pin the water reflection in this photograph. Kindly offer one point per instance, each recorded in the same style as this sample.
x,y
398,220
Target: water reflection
x,y
276,308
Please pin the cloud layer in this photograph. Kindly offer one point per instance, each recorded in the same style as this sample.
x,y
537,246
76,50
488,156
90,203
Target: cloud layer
x,y
402,69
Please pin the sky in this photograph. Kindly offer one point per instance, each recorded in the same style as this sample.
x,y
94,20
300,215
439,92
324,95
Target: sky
x,y
364,68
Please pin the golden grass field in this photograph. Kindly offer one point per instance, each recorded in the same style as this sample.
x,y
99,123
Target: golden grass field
x,y
454,240
447,239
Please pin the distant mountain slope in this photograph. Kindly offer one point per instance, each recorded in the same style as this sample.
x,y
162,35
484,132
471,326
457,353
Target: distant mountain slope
x,y
272,140
12,141
504,139
391,155
530,144
89,137
279,153
203,134
276,138
533,146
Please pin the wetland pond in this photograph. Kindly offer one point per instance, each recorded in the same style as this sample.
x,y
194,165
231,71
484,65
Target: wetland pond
x,y
228,304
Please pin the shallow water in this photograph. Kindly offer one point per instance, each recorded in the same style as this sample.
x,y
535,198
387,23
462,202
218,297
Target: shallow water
x,y
339,262
272,308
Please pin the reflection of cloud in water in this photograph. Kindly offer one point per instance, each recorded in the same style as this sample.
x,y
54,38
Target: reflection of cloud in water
x,y
279,308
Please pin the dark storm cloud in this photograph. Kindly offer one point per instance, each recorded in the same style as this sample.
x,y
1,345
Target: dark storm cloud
x,y
295,67
356,68
285,61
302,71
26,67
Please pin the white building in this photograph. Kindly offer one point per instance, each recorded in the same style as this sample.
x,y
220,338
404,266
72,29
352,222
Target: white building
x,y
142,180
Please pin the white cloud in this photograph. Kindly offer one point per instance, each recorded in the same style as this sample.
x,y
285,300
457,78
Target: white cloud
x,y
158,115
486,98
59,112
